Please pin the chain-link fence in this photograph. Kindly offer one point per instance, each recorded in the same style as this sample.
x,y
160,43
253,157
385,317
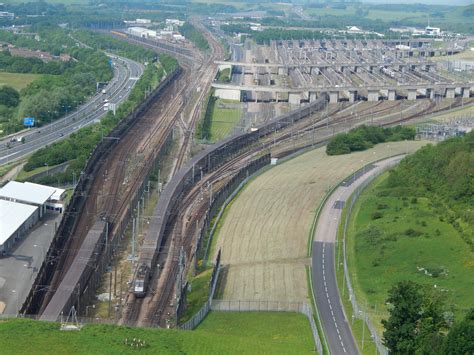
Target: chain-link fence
x,y
358,311
199,316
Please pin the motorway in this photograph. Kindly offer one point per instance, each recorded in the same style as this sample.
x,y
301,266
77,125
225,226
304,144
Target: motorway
x,y
334,321
126,73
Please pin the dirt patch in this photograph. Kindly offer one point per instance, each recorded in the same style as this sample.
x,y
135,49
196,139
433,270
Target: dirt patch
x,y
265,233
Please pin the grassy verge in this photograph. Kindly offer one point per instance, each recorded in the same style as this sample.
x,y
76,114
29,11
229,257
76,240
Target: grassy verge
x,y
220,333
198,295
357,325
5,168
405,238
25,175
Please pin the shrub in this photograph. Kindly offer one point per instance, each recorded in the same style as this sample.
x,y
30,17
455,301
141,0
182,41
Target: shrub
x,y
410,232
377,215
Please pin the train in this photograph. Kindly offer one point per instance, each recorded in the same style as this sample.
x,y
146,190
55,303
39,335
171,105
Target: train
x,y
141,280
166,210
39,290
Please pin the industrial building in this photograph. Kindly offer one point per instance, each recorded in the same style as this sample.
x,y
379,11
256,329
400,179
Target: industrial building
x,y
16,219
22,205
42,196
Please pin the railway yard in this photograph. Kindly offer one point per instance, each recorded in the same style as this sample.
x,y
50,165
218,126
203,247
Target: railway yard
x,y
293,97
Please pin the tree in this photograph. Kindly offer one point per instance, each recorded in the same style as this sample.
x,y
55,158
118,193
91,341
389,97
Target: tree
x,y
415,321
9,96
401,327
460,339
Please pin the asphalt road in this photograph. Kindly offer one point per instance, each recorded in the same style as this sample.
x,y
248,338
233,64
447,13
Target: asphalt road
x,y
334,320
126,73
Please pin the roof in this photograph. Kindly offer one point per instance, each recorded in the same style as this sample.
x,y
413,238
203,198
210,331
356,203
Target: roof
x,y
12,216
25,193
55,192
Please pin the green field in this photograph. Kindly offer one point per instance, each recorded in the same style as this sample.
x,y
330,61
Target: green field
x,y
16,80
220,333
224,119
392,239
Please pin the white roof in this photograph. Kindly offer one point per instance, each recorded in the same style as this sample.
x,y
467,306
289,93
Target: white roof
x,y
56,193
12,216
25,192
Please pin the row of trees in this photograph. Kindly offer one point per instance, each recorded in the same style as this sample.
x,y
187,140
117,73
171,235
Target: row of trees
x,y
115,45
419,324
365,137
16,64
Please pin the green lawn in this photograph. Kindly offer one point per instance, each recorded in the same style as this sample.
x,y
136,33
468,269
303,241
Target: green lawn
x,y
392,239
220,333
16,80
223,120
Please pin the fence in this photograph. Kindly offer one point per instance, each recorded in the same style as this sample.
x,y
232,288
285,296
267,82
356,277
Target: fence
x,y
199,316
358,311
270,306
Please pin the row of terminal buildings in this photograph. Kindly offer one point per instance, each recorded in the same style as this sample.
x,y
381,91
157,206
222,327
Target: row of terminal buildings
x,y
22,206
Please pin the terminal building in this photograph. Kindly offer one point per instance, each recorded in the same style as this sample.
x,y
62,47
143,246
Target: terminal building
x,y
22,205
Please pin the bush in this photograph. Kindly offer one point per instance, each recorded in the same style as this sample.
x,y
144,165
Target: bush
x,y
377,215
364,137
410,232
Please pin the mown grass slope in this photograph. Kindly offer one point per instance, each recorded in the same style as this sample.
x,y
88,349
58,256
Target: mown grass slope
x,y
220,333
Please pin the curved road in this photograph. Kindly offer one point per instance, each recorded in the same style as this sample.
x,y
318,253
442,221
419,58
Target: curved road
x,y
334,321
126,73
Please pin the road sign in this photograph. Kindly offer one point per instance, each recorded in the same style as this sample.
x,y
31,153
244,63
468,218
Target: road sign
x,y
28,121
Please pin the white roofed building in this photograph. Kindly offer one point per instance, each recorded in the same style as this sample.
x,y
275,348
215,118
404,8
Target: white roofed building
x,y
42,196
18,192
15,221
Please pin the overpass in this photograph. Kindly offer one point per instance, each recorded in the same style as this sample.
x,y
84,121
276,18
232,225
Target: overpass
x,y
284,69
374,92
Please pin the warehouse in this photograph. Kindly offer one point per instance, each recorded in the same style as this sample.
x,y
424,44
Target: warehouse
x,y
31,194
16,219
55,201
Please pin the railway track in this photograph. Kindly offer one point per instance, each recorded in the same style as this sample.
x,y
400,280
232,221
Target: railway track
x,y
144,311
217,53
122,172
194,204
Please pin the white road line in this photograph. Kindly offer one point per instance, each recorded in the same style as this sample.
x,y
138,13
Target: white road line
x,y
329,302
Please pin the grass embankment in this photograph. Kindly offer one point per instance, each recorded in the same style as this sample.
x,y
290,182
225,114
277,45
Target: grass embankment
x,y
16,80
405,238
199,294
220,333
219,119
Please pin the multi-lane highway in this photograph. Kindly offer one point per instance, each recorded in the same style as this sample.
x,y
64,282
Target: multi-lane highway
x,y
126,73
